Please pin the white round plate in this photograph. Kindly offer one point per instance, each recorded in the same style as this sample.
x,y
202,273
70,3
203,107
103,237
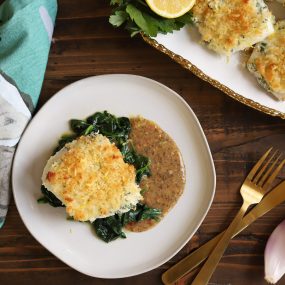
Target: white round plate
x,y
75,243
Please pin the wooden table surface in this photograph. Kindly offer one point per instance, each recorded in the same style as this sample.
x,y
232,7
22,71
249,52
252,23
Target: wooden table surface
x,y
85,45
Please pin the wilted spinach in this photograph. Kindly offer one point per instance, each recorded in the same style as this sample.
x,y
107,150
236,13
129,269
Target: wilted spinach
x,y
111,228
140,162
50,198
117,129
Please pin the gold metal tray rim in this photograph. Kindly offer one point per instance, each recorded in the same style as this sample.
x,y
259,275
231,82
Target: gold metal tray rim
x,y
195,70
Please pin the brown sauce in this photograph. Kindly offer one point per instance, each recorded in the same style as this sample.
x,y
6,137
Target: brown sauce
x,y
166,183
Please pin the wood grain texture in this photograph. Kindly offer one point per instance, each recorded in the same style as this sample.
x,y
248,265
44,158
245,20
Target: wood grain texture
x,y
84,45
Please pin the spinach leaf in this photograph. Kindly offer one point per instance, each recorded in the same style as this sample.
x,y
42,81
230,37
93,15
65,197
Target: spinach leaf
x,y
140,162
78,126
117,130
50,198
140,213
149,213
111,228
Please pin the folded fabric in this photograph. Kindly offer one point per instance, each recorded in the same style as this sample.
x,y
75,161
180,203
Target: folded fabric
x,y
26,28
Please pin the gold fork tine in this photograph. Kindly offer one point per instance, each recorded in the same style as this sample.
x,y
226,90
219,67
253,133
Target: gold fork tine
x,y
262,170
257,165
265,176
273,175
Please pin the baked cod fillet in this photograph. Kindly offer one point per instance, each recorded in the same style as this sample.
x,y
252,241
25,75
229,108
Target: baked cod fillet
x,y
91,179
228,26
267,62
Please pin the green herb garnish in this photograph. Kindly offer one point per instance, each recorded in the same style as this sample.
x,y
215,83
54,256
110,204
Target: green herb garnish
x,y
137,17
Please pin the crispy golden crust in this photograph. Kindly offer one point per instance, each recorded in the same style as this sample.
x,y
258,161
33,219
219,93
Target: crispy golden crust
x,y
231,25
91,178
267,62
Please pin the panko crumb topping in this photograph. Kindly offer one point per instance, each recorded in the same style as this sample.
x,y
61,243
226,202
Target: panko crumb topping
x,y
228,26
91,179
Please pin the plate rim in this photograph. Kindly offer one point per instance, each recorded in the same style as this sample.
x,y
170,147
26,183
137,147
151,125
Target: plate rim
x,y
199,73
202,218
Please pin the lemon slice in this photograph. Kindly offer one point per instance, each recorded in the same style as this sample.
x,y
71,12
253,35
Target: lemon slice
x,y
170,8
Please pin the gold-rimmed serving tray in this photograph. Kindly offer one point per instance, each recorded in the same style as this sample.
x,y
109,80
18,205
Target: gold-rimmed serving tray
x,y
227,74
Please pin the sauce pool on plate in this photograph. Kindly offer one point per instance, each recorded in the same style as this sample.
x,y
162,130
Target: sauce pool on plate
x,y
166,184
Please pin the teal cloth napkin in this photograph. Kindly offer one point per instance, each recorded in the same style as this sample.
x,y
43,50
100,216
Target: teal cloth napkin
x,y
26,28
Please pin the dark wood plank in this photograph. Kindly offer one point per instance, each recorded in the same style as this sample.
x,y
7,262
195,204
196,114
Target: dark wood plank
x,y
85,45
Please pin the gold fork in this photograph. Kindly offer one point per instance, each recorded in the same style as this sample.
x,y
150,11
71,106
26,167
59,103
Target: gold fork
x,y
252,191
194,259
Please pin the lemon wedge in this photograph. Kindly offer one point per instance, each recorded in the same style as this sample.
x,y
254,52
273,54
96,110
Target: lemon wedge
x,y
170,8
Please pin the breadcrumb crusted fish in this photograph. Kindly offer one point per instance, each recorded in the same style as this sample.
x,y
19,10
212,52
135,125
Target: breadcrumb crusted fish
x,y
228,26
91,179
267,62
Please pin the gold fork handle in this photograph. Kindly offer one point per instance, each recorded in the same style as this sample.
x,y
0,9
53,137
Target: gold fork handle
x,y
190,262
210,265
